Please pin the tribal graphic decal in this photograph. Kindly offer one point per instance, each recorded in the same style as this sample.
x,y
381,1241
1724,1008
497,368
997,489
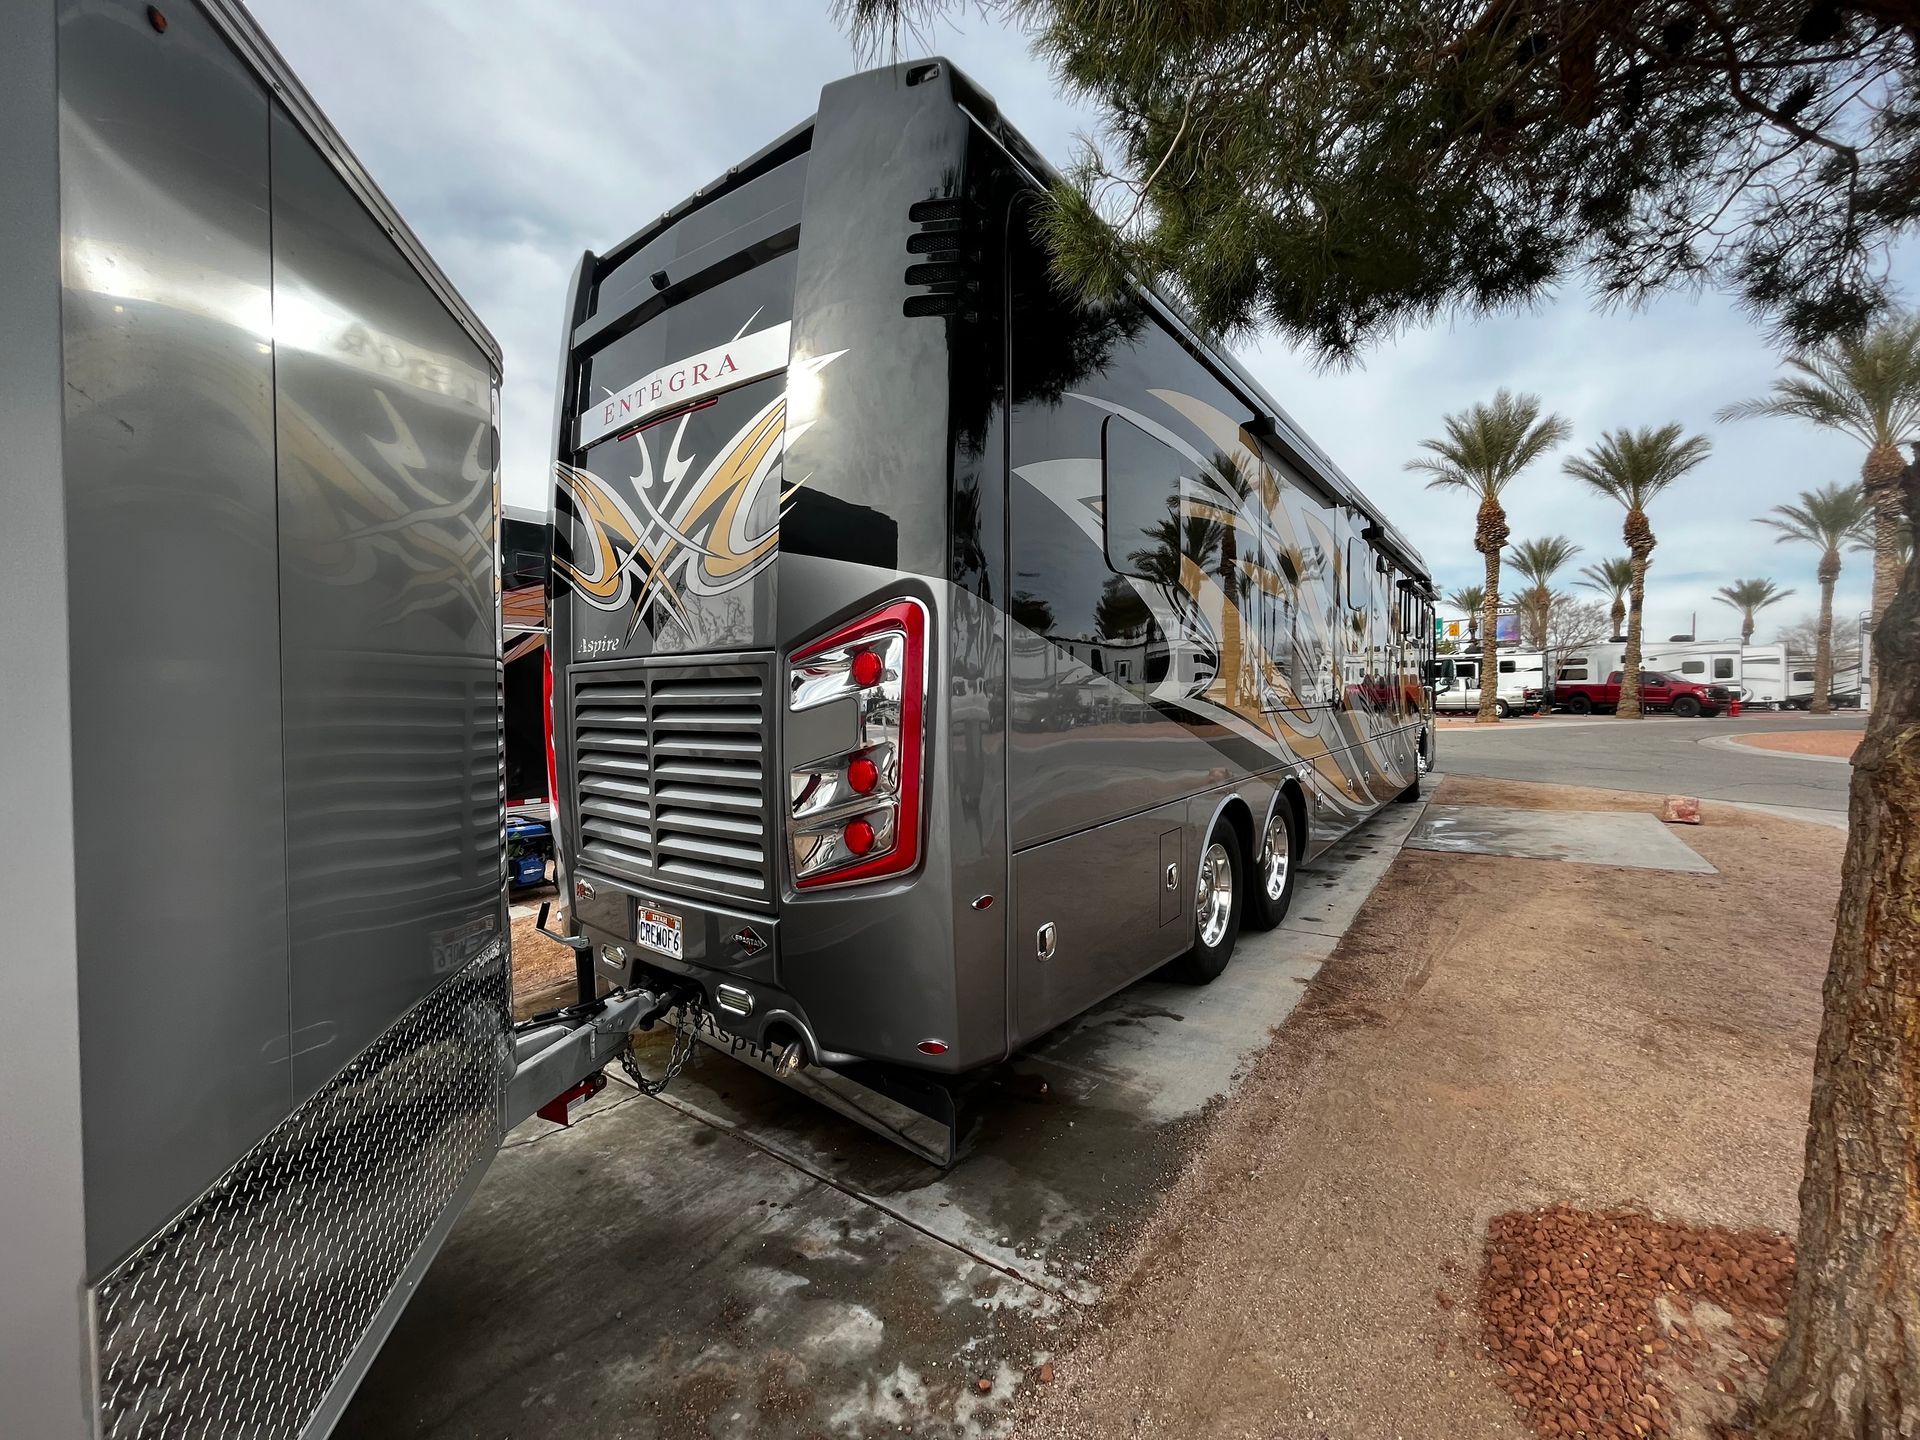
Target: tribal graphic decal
x,y
1308,688
684,534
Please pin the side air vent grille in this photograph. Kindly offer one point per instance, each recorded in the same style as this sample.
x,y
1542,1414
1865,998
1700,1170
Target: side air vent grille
x,y
934,242
672,760
948,283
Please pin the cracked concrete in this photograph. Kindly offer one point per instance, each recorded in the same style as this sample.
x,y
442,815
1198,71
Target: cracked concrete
x,y
731,1259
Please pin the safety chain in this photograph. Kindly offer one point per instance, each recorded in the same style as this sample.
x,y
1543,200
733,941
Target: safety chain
x,y
685,1039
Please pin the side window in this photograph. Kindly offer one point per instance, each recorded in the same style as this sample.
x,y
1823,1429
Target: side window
x,y
1695,667
1723,667
1359,573
1141,503
1573,672
1507,667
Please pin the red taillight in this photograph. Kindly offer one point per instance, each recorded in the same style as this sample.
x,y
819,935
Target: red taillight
x,y
856,815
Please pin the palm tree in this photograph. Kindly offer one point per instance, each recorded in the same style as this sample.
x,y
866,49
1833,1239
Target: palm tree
x,y
1633,466
1485,448
1538,561
1832,517
1612,578
1867,386
1750,597
1468,600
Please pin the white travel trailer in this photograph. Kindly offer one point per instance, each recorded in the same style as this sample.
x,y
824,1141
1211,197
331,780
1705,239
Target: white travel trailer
x,y
1757,673
1522,688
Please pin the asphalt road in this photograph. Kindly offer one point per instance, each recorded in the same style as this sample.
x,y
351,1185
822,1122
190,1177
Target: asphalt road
x,y
1660,755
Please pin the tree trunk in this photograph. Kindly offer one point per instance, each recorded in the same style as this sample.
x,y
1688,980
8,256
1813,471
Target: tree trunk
x,y
1490,538
1639,537
1619,617
1881,477
1849,1365
1746,627
1823,643
1489,638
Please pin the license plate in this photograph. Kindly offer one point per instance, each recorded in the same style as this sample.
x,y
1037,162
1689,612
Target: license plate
x,y
658,930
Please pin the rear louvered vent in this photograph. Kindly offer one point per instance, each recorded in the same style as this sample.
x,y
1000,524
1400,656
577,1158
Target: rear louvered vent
x,y
673,759
949,274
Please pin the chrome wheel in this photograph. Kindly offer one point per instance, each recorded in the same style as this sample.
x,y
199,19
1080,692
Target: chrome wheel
x,y
1213,897
1276,856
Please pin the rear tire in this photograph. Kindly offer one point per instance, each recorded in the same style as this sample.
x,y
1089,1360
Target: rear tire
x,y
1502,709
1580,705
1687,707
1271,893
1218,891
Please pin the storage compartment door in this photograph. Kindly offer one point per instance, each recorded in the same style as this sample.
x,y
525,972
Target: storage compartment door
x,y
1088,917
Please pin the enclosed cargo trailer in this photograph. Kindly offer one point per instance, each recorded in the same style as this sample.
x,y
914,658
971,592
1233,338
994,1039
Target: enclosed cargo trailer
x,y
248,545
935,655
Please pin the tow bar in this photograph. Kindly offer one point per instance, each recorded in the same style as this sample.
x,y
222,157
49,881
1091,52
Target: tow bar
x,y
558,1055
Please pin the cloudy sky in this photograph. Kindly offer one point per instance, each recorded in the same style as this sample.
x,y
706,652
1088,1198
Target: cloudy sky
x,y
514,136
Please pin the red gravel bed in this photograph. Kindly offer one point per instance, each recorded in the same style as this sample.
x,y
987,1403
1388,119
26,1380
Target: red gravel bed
x,y
1591,1319
1840,743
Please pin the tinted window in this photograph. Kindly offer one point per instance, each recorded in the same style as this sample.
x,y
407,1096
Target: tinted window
x,y
1693,667
1145,536
1723,668
1507,667
1572,673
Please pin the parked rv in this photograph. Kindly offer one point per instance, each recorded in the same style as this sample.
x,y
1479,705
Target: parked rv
x,y
1844,691
1522,686
250,556
936,654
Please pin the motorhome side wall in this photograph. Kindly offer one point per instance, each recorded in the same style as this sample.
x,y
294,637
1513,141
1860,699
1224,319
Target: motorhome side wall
x,y
249,548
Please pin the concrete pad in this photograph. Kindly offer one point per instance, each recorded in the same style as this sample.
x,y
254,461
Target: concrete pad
x,y
1586,837
733,1259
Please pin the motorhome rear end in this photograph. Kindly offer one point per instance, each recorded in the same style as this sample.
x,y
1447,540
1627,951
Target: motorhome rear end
x,y
935,655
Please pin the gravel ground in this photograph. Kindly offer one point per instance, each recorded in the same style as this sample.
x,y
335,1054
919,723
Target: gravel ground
x,y
1493,1035
1806,742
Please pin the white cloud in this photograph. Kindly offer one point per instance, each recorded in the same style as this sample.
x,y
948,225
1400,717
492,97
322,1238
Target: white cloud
x,y
515,137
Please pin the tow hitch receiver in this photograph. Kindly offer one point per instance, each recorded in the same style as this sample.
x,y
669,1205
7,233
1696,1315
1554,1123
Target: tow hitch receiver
x,y
556,1109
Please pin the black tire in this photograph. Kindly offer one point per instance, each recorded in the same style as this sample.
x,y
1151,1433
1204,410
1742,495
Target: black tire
x,y
1580,705
1263,911
1502,709
1686,707
1202,964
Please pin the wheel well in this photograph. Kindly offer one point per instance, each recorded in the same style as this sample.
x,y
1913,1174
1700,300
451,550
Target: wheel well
x,y
1291,794
1236,814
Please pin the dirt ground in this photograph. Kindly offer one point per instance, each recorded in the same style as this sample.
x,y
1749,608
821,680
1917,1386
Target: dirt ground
x,y
542,969
1806,742
1492,1035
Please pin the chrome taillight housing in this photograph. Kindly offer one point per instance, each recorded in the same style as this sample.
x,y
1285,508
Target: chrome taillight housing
x,y
855,815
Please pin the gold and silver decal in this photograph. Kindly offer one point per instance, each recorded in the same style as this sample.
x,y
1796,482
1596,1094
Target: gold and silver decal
x,y
677,528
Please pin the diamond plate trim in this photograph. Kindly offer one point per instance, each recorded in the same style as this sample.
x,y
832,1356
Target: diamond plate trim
x,y
236,1319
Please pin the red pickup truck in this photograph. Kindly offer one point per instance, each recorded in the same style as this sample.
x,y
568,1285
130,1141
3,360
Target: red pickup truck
x,y
1657,692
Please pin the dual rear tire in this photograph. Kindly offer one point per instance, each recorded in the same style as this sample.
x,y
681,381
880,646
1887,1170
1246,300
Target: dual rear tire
x,y
1226,897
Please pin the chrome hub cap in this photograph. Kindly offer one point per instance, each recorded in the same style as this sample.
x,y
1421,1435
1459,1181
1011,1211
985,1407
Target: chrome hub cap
x,y
1213,897
1275,857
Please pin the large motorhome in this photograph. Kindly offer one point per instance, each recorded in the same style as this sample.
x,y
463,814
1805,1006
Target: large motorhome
x,y
935,654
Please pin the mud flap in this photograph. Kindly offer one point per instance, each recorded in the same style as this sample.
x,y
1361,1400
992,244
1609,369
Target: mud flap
x,y
920,1114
